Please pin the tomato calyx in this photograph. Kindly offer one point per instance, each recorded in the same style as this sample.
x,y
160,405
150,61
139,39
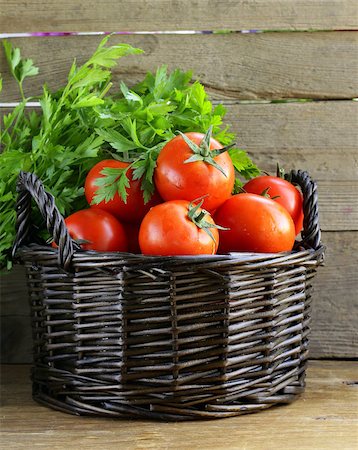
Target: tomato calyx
x,y
202,151
265,193
198,218
280,171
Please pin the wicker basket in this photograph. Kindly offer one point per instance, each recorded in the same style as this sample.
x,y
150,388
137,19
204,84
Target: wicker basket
x,y
172,338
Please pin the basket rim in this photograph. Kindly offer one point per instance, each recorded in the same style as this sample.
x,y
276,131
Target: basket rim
x,y
30,186
234,257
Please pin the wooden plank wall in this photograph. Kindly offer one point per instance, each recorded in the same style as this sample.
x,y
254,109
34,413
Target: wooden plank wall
x,y
313,57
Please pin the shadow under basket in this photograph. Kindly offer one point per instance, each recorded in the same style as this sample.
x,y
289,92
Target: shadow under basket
x,y
168,338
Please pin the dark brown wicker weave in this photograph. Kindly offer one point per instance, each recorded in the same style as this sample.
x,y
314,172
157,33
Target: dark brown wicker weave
x,y
173,338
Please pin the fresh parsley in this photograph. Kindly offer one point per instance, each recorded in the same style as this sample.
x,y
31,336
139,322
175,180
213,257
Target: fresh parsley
x,y
82,123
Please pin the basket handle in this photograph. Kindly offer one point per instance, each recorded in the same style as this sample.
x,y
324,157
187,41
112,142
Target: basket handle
x,y
311,233
29,186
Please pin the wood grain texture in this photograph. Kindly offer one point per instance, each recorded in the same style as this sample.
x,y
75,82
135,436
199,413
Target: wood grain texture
x,y
321,137
338,205
334,317
324,418
262,66
335,308
134,15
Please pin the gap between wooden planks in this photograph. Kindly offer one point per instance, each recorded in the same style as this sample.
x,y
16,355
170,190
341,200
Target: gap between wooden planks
x,y
134,15
324,418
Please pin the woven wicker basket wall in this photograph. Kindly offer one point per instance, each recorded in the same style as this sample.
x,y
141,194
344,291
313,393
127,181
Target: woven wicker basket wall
x,y
174,338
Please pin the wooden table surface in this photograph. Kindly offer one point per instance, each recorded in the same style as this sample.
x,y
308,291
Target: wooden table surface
x,y
325,417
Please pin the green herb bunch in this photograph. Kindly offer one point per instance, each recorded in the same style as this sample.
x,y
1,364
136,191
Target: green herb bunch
x,y
81,124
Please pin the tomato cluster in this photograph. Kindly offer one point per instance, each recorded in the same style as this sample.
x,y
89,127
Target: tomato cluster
x,y
193,210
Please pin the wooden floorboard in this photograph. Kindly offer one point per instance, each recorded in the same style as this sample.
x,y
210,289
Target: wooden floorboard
x,y
324,418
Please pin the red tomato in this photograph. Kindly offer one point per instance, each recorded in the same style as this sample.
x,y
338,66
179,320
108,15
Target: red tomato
x,y
103,231
287,195
132,232
256,224
168,230
176,179
131,211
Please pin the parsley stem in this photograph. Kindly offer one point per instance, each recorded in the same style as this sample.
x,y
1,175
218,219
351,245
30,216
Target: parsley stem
x,y
19,116
106,89
22,91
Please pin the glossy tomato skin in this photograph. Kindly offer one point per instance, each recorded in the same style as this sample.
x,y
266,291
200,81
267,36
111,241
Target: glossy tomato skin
x,y
167,230
256,224
131,211
103,231
176,179
287,195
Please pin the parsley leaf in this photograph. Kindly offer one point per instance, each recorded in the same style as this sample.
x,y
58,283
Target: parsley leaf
x,y
243,164
83,123
114,180
19,68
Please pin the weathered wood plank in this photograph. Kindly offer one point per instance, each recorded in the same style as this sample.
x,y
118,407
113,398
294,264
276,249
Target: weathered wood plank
x,y
132,15
13,293
261,66
335,307
16,339
326,414
338,203
321,137
334,318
